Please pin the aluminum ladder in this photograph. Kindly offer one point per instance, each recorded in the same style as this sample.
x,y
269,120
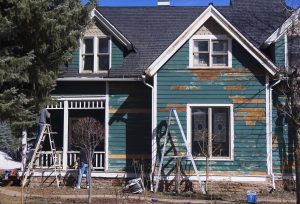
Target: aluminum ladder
x,y
187,155
36,155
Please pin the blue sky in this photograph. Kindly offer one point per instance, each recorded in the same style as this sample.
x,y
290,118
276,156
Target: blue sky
x,y
293,3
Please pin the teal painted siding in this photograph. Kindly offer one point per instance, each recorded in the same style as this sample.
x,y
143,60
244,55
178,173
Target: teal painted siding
x,y
243,86
117,57
73,65
129,124
282,141
279,50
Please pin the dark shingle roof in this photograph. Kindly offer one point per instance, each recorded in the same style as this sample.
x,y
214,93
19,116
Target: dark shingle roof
x,y
152,29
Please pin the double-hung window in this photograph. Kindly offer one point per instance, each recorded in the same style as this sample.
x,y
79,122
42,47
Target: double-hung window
x,y
95,54
210,131
210,52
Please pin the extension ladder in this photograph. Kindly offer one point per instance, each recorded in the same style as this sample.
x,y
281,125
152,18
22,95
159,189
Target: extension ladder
x,y
187,154
36,154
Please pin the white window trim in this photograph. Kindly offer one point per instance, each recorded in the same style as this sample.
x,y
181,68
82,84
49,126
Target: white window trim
x,y
231,133
96,46
210,38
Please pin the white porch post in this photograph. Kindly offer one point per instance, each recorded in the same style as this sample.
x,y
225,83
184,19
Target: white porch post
x,y
65,134
106,126
24,149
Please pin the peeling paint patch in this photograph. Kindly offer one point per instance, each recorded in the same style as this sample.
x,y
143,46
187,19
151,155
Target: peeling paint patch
x,y
129,110
240,99
234,88
179,107
184,88
250,123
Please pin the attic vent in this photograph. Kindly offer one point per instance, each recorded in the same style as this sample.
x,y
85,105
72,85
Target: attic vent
x,y
163,2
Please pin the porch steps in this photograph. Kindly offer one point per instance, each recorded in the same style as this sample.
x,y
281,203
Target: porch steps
x,y
31,167
178,154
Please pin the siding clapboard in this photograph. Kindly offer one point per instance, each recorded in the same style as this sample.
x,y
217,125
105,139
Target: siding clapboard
x,y
243,85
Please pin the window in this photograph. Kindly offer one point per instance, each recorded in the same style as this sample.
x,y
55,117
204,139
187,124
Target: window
x,y
95,54
210,131
210,51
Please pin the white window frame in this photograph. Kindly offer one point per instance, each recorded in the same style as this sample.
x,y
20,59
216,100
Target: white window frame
x,y
209,38
96,46
231,130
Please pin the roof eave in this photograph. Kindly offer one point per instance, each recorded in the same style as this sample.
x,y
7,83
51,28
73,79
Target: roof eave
x,y
211,11
294,18
111,28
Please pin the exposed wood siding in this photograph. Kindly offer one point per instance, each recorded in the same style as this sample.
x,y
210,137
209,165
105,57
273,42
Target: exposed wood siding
x,y
243,85
129,124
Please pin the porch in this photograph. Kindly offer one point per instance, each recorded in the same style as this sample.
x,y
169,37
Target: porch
x,y
65,111
45,160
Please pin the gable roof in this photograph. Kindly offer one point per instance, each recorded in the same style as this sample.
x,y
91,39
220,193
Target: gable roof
x,y
151,30
113,30
210,12
294,18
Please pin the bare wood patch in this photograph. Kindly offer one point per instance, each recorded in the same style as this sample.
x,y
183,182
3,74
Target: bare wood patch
x,y
234,88
129,110
179,107
184,88
241,99
250,123
129,156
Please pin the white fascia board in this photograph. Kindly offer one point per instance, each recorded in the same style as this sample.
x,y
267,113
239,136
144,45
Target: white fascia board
x,y
282,29
116,33
226,25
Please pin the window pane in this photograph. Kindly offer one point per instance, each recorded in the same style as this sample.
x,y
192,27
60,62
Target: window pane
x,y
220,45
88,63
199,131
201,46
89,45
103,45
220,134
220,60
103,62
201,59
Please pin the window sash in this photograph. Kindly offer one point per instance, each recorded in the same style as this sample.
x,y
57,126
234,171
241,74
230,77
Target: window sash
x,y
197,62
97,54
214,142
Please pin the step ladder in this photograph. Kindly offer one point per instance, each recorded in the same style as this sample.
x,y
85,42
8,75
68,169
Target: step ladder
x,y
187,154
36,155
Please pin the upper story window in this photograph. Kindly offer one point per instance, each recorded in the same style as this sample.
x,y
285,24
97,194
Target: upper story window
x,y
210,51
95,54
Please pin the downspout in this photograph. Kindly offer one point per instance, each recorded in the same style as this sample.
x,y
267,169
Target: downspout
x,y
271,131
152,127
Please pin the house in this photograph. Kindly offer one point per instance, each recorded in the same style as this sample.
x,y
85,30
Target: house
x,y
215,65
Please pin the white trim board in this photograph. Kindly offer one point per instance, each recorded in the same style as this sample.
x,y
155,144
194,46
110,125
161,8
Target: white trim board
x,y
231,133
294,18
211,12
110,27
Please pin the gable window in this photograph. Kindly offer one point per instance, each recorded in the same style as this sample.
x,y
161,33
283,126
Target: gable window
x,y
210,131
95,54
210,51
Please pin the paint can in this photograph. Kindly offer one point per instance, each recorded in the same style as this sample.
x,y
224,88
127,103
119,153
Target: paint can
x,y
251,197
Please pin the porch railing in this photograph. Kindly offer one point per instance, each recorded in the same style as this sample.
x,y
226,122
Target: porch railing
x,y
45,160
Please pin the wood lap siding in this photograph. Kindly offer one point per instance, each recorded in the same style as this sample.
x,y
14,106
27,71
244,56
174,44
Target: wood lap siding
x,y
117,56
129,124
243,85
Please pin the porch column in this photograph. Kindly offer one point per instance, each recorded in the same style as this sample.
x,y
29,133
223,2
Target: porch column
x,y
65,134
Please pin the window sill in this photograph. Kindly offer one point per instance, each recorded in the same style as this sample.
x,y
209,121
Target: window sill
x,y
209,67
